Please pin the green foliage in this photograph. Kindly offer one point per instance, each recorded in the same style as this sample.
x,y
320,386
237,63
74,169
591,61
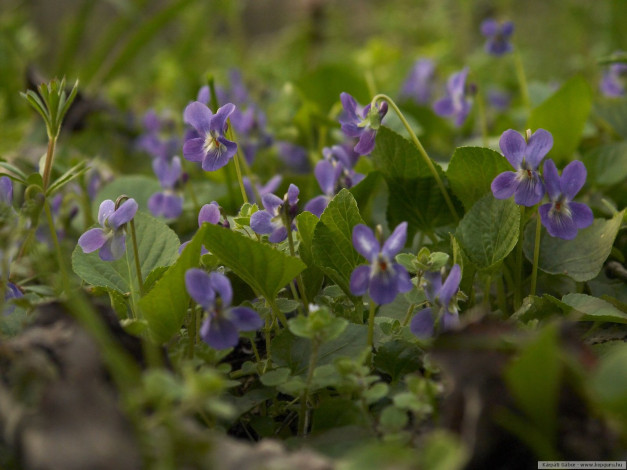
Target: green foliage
x,y
564,115
489,231
608,163
472,170
157,245
595,309
265,269
312,276
609,383
538,398
165,305
332,245
414,195
581,258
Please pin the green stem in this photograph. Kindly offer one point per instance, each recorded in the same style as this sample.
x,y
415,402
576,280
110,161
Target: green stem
x,y
519,262
483,121
522,80
299,278
410,310
359,310
138,268
371,315
55,241
500,295
422,152
277,312
536,254
302,413
191,330
486,293
238,171
52,142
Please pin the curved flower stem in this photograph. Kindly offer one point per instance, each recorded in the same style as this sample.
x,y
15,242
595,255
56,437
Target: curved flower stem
x,y
277,312
138,268
519,262
522,80
371,315
536,254
422,152
486,293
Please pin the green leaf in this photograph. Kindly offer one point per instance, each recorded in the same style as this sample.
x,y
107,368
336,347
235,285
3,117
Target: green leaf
x,y
397,358
262,267
595,309
489,231
538,398
324,85
564,115
414,195
138,187
614,113
294,352
16,173
312,276
609,383
165,306
472,170
68,176
275,377
581,258
610,163
157,244
332,245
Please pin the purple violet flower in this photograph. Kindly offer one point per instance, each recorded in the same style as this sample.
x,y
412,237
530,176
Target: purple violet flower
x,y
562,217
419,84
212,214
361,123
333,173
383,278
612,83
525,156
214,294
443,311
6,190
455,104
498,36
294,156
272,220
166,203
208,145
109,239
11,292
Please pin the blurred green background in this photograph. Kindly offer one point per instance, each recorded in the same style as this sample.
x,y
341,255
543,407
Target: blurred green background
x,y
132,55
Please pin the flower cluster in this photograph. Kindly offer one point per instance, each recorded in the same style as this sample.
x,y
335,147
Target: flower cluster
x,y
442,314
383,279
110,240
214,294
277,216
561,216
